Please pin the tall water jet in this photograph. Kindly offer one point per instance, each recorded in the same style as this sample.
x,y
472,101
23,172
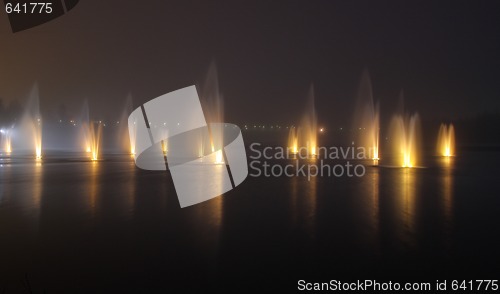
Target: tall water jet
x,y
293,140
6,141
405,136
446,140
91,133
29,130
367,118
309,126
127,134
213,108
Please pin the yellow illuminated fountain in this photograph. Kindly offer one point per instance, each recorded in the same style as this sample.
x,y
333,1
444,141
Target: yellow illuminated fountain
x,y
164,147
367,118
305,136
405,134
127,134
95,135
8,145
310,125
37,137
133,138
446,140
213,106
6,142
91,134
29,130
293,140
219,158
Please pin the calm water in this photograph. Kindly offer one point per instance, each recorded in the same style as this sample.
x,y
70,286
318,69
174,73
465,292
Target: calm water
x,y
76,226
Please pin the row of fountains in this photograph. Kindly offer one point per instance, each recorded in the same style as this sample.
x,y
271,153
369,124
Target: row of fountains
x,y
26,134
404,130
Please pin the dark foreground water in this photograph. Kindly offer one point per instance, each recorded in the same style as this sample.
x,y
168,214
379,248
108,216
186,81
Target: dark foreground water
x,y
72,226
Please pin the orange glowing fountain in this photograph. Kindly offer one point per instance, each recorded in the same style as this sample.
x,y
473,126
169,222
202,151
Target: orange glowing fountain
x,y
446,140
306,135
96,133
6,141
309,126
405,135
30,126
37,137
91,133
293,140
127,134
8,146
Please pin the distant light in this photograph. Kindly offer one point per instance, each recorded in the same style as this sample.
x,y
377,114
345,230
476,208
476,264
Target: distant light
x,y
321,130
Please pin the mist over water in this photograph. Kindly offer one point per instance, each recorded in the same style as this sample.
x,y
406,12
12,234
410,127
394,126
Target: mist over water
x,y
85,210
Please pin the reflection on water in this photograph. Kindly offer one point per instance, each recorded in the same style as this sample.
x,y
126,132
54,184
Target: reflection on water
x,y
130,192
406,203
375,202
447,195
37,189
130,222
93,187
303,202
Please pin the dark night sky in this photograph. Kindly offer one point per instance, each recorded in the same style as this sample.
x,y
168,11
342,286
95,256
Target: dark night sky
x,y
444,55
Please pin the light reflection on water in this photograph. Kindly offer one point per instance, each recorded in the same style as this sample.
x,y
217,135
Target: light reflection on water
x,y
407,191
93,186
303,203
389,212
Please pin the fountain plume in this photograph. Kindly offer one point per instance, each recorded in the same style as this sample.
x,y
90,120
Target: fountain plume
x,y
446,140
29,130
293,140
367,118
91,133
6,141
127,134
306,134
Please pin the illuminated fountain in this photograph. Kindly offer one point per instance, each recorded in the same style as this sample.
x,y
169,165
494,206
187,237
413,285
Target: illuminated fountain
x,y
446,140
405,136
91,133
293,140
213,108
29,130
127,135
309,126
367,118
305,136
6,141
